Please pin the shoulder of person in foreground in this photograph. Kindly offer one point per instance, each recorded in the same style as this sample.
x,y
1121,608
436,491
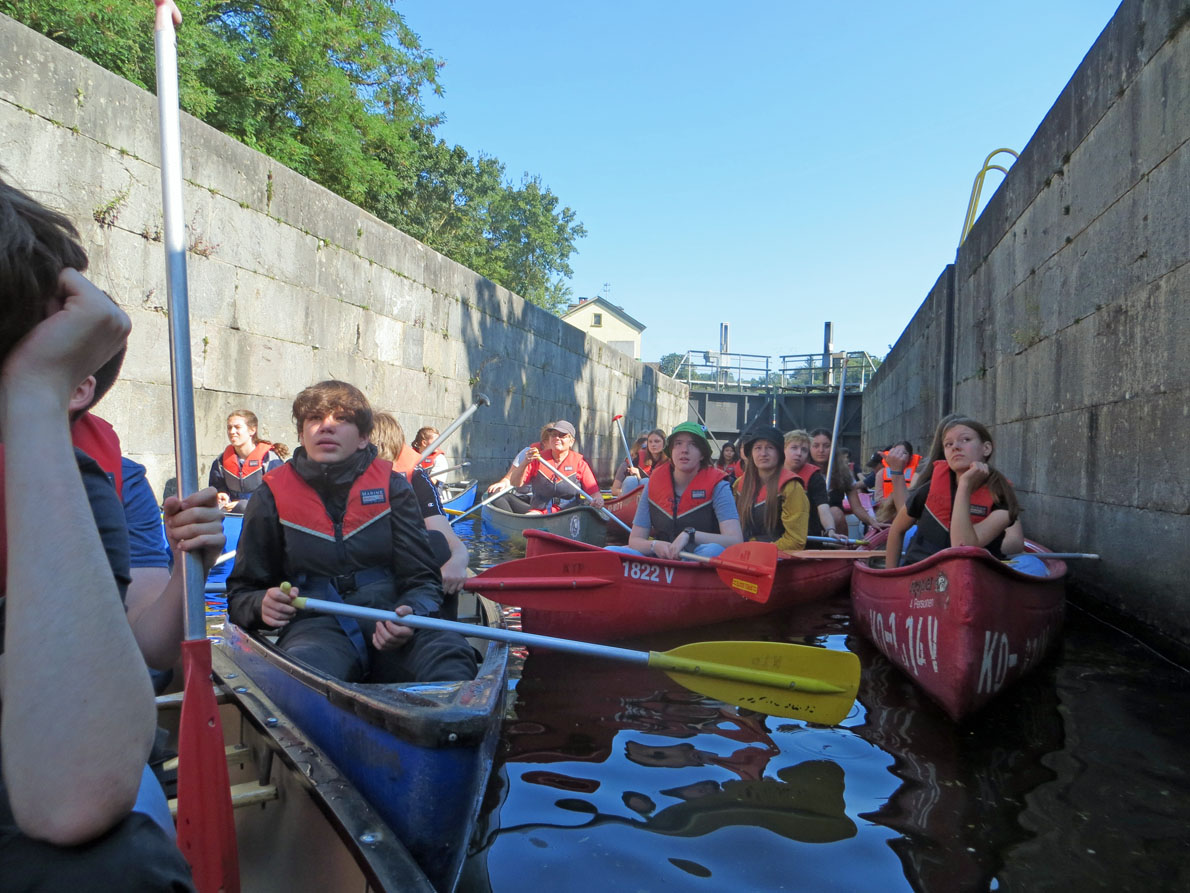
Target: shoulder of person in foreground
x,y
724,502
146,532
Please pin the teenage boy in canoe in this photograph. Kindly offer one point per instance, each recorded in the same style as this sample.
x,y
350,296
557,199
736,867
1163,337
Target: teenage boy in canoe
x,y
76,730
338,523
687,504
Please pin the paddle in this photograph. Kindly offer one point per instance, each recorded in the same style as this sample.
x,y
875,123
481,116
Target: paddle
x,y
1064,556
830,463
848,554
777,678
827,539
461,465
603,513
475,507
206,827
624,437
746,568
480,400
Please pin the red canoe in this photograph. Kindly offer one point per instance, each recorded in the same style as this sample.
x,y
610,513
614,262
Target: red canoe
x,y
651,594
624,508
961,624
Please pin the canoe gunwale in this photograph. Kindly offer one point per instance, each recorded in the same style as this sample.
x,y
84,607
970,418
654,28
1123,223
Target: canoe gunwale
x,y
401,708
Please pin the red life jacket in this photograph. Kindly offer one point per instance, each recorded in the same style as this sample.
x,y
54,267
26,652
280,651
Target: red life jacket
x,y
406,461
940,500
300,508
804,474
642,458
669,514
99,440
428,462
886,480
755,527
245,477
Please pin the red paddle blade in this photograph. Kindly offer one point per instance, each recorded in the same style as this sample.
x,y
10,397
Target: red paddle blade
x,y
747,568
548,582
206,827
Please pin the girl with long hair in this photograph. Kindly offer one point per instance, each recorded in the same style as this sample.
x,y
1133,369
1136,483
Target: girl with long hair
x,y
842,483
963,502
238,473
771,500
648,452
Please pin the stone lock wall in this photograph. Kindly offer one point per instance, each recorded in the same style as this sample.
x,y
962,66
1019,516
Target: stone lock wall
x,y
1065,323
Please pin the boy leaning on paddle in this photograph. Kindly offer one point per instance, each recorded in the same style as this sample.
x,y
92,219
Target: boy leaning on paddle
x,y
78,714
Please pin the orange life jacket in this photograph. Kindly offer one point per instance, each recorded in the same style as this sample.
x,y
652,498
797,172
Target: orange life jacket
x,y
406,461
428,462
99,440
886,479
244,477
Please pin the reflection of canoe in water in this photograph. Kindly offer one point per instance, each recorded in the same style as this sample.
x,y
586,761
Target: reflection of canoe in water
x,y
652,594
962,624
964,789
420,753
579,522
300,824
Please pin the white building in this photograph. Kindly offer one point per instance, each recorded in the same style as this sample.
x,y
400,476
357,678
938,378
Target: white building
x,y
607,322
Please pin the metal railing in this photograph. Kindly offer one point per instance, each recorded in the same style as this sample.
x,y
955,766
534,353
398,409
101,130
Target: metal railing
x,y
812,371
750,373
713,371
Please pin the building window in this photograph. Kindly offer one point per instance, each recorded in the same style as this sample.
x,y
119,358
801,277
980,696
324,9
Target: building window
x,y
596,320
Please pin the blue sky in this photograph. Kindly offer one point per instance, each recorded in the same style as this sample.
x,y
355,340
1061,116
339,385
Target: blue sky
x,y
771,165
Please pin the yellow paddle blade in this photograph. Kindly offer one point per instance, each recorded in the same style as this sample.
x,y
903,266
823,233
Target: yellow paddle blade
x,y
778,678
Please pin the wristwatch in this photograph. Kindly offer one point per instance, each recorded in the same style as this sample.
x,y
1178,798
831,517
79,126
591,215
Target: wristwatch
x,y
689,531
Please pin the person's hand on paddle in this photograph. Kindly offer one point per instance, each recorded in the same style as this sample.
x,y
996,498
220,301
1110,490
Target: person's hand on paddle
x,y
454,574
681,543
499,487
195,524
82,330
277,608
389,635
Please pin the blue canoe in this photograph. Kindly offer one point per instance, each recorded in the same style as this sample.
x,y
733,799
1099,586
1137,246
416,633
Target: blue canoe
x,y
464,500
420,753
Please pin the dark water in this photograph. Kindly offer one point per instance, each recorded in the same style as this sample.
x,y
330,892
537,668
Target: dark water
x,y
616,778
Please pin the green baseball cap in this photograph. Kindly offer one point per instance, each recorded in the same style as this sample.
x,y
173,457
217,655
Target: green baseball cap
x,y
694,429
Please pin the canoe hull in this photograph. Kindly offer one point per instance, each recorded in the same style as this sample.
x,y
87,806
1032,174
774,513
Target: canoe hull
x,y
463,500
580,522
960,623
652,595
420,753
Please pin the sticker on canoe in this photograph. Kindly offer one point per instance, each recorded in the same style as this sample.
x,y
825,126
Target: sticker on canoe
x,y
744,585
650,573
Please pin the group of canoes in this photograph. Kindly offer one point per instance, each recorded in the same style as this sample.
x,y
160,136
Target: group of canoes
x,y
974,606
958,619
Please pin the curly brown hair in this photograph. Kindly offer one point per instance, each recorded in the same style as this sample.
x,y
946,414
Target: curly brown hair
x,y
320,400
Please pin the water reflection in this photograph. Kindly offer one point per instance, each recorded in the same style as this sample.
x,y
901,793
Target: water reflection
x,y
963,787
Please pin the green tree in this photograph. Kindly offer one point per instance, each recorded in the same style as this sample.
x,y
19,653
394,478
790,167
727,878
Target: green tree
x,y
334,89
670,363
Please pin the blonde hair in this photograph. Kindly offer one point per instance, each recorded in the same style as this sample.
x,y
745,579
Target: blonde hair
x,y
388,435
797,436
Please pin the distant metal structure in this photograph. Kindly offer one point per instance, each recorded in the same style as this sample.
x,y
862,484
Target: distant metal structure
x,y
731,393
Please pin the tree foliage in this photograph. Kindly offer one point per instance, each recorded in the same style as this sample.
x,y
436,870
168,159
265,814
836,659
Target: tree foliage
x,y
334,89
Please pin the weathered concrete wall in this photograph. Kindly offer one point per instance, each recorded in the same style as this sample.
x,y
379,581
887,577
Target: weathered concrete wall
x,y
1071,326
290,284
